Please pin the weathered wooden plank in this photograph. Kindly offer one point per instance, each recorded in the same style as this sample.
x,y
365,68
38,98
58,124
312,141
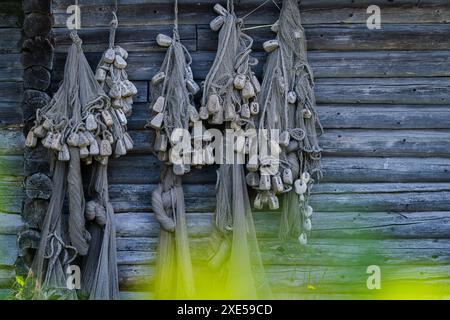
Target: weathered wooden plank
x,y
11,67
319,252
323,37
12,141
326,225
386,143
124,170
352,37
140,295
384,91
11,91
11,166
378,63
335,169
135,295
340,280
10,224
133,39
326,197
6,294
353,170
10,40
143,66
137,198
8,251
29,6
161,12
10,114
352,116
306,4
11,195
325,279
384,117
11,14
7,276
374,143
340,188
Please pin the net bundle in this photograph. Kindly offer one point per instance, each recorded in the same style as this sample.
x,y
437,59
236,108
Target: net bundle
x,y
100,275
61,128
178,131
78,125
288,105
230,97
180,136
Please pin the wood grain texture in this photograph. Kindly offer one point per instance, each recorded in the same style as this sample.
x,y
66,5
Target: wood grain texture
x,y
329,64
353,37
335,169
325,280
160,12
384,100
352,116
343,250
327,225
352,142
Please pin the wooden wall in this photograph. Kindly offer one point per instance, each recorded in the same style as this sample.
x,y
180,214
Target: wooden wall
x,y
11,139
384,100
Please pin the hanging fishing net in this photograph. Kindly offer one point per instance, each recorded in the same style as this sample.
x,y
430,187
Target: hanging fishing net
x,y
288,105
100,277
230,97
61,127
80,125
176,122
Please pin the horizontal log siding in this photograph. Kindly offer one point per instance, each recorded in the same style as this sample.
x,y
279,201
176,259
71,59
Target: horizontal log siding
x,y
383,97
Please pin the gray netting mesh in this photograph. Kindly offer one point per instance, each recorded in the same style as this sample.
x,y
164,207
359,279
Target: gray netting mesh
x,y
100,275
288,104
230,95
172,91
80,124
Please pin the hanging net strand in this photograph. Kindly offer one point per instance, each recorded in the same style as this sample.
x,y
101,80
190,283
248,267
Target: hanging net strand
x,y
61,128
230,97
81,125
108,124
173,114
288,104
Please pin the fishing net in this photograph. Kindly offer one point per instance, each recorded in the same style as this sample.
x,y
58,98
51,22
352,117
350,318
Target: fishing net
x,y
61,127
174,118
79,125
100,277
174,277
230,96
288,104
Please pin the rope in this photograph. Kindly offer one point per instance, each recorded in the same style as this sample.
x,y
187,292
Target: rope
x,y
230,6
176,17
113,25
256,9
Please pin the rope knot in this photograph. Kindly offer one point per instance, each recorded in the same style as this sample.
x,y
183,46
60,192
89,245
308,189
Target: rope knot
x,y
76,38
114,22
